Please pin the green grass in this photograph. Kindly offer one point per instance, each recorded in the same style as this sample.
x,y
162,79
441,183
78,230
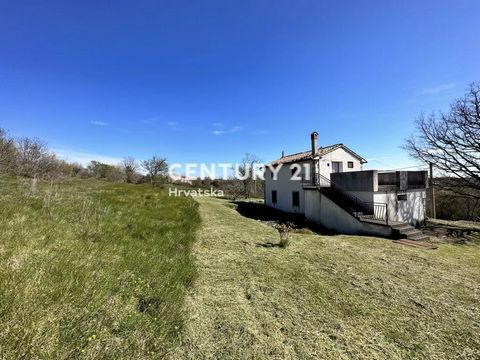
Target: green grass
x,y
326,297
91,269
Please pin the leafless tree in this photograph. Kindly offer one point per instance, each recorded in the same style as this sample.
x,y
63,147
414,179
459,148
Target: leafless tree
x,y
8,154
451,141
246,170
232,188
34,160
155,167
129,167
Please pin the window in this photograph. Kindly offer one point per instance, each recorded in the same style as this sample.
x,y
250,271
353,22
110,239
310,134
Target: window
x,y
337,166
295,198
350,165
402,197
274,196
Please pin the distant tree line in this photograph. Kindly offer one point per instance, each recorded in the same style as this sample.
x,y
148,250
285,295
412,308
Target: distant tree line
x,y
30,158
248,187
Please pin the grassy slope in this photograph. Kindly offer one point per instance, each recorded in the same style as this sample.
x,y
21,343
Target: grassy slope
x,y
327,296
92,269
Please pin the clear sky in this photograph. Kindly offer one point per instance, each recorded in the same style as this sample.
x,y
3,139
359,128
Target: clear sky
x,y
207,81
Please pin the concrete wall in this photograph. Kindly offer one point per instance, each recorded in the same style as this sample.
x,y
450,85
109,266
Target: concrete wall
x,y
312,205
356,180
366,196
411,211
321,210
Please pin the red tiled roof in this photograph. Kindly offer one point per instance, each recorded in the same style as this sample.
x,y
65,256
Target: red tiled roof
x,y
307,155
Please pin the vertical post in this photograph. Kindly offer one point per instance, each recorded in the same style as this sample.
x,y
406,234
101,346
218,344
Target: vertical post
x,y
386,213
432,193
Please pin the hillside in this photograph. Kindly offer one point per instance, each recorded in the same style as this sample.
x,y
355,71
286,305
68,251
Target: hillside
x,y
330,297
92,269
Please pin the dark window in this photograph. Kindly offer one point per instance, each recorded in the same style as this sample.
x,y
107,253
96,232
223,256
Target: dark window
x,y
274,196
295,198
402,197
350,165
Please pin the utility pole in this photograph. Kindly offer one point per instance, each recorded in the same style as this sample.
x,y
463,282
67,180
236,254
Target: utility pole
x,y
432,192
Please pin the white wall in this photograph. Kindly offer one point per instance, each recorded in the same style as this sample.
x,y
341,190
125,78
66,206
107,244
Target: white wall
x,y
312,205
321,210
411,211
338,155
284,186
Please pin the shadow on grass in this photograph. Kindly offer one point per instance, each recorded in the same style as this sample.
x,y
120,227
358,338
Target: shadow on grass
x,y
273,217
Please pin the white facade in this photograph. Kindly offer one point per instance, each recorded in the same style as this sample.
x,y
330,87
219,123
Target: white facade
x,y
284,186
341,157
321,210
378,198
406,206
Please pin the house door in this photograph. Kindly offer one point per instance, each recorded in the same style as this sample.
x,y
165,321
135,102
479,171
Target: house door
x,y
336,166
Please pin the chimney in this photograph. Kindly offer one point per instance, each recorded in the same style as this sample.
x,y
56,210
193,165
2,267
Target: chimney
x,y
313,138
283,153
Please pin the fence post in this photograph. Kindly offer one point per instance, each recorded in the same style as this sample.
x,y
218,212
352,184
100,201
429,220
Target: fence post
x,y
386,213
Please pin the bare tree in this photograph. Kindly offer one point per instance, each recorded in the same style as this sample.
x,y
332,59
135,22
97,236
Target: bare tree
x,y
129,167
451,141
246,171
8,154
34,160
155,167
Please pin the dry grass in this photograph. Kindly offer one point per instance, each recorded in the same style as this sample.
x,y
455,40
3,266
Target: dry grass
x,y
463,224
329,297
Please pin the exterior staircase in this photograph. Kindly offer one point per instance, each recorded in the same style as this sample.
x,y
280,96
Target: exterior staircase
x,y
407,231
376,213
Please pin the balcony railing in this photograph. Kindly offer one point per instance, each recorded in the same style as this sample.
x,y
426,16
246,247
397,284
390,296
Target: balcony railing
x,y
350,203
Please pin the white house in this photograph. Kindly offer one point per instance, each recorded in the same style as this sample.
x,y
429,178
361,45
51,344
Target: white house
x,y
329,186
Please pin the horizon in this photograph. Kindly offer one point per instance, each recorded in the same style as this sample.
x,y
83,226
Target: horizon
x,y
208,83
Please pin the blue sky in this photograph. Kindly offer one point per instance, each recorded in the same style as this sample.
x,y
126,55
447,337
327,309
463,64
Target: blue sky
x,y
206,81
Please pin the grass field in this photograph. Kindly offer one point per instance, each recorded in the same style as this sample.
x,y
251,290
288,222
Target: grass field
x,y
326,297
92,269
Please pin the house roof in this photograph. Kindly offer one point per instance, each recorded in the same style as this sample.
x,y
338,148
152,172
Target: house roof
x,y
307,155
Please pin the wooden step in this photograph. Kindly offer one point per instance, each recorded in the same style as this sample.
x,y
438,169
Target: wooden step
x,y
417,244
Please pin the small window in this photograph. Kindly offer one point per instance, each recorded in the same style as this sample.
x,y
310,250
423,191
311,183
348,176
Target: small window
x,y
295,198
274,196
402,197
350,164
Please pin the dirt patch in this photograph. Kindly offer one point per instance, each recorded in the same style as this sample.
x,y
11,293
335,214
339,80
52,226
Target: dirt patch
x,y
444,232
276,218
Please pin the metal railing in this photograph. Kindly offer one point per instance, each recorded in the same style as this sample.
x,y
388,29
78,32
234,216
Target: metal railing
x,y
358,208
